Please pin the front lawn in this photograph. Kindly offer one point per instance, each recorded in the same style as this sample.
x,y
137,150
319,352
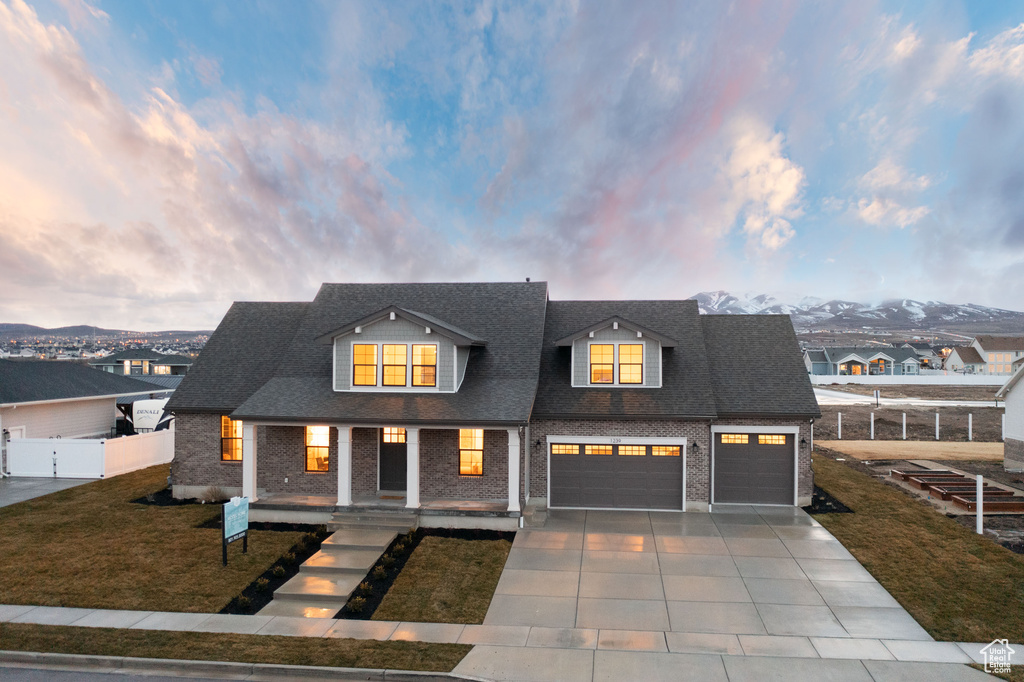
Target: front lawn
x,y
91,547
446,580
207,646
958,585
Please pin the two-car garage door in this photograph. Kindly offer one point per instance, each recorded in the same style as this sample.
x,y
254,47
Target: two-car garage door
x,y
753,468
609,475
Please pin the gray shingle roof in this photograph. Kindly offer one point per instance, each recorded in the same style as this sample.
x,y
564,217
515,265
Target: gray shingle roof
x,y
968,354
24,381
500,381
173,360
130,354
771,382
663,340
817,356
898,355
240,356
999,343
686,385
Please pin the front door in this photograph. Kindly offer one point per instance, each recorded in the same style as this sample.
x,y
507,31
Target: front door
x,y
392,458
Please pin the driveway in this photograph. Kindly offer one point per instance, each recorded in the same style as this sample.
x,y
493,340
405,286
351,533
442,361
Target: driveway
x,y
739,577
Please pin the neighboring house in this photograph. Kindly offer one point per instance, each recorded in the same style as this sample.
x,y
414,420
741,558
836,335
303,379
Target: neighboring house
x,y
999,352
1012,395
43,399
462,399
143,362
853,360
964,359
928,355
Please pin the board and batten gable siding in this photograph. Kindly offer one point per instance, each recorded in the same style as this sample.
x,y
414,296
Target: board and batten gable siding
x,y
394,331
581,355
69,419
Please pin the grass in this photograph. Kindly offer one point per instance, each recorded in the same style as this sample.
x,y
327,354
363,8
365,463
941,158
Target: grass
x,y
91,547
446,580
205,646
958,585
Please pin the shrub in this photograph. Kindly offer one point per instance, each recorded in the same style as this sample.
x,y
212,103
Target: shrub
x,y
399,548
288,558
356,604
244,603
365,588
261,584
379,573
278,571
214,494
387,561
310,538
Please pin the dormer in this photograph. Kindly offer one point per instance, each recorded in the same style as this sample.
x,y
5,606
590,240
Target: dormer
x,y
399,350
616,353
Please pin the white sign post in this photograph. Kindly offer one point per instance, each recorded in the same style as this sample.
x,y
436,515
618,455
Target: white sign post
x,y
979,525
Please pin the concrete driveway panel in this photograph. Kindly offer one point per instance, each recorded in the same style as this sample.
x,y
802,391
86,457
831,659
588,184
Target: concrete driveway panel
x,y
507,609
615,666
618,542
704,588
620,562
544,559
715,617
526,664
538,583
714,565
808,621
620,586
622,614
769,669
671,544
773,591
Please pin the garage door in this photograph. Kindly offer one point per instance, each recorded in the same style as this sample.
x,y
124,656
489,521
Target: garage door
x,y
753,468
616,476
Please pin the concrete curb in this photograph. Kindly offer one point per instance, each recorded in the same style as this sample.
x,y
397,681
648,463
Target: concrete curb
x,y
185,668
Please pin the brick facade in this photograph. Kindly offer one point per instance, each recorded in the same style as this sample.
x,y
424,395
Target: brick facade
x,y
439,467
281,454
197,463
805,476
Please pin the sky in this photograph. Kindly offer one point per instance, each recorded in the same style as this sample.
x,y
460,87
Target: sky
x,y
159,160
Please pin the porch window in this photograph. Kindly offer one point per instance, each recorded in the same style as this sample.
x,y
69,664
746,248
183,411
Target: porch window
x,y
471,452
424,365
317,448
602,363
394,364
230,439
394,434
631,363
364,364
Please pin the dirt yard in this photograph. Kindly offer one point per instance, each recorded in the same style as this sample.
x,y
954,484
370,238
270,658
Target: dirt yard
x,y
922,392
920,423
906,450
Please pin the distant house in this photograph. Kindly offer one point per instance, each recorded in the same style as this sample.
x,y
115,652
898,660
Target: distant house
x,y
929,356
43,399
999,352
965,359
854,361
1012,394
143,362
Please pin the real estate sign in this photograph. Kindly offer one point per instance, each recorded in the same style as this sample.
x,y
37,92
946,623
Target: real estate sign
x,y
235,521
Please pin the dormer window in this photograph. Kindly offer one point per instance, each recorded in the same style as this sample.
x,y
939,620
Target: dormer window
x,y
364,367
616,363
394,369
395,364
602,363
424,365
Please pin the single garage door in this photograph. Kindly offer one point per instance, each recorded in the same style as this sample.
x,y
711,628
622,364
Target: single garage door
x,y
616,476
754,468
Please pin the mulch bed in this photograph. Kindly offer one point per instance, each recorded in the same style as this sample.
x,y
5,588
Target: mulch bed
x,y
367,597
165,498
823,502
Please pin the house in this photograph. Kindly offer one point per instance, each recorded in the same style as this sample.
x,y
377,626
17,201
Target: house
x,y
930,357
143,362
853,360
44,399
1012,395
965,359
999,352
481,398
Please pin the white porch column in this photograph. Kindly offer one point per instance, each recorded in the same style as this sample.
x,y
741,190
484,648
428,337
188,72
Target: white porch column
x,y
412,468
249,461
513,470
344,466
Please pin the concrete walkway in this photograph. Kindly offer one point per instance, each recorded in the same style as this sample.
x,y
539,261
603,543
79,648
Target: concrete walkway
x,y
19,489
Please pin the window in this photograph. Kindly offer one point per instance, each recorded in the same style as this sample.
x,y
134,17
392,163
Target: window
x,y
562,449
734,438
364,364
598,449
771,439
230,440
665,450
161,369
602,363
394,364
424,365
317,448
471,452
991,369
631,363
633,450
991,357
394,434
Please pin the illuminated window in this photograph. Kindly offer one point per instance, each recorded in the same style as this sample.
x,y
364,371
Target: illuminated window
x,y
394,434
394,364
632,450
991,357
161,369
602,363
991,368
665,450
631,363
562,449
364,364
471,452
424,365
317,447
230,440
598,449
734,438
771,439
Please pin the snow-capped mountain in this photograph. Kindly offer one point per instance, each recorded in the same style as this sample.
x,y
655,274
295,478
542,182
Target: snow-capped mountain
x,y
902,314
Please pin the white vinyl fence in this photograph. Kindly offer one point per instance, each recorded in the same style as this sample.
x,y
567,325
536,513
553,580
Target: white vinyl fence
x,y
940,379
87,458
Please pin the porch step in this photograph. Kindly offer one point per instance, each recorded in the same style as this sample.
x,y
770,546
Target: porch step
x,y
354,538
334,589
338,561
397,521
